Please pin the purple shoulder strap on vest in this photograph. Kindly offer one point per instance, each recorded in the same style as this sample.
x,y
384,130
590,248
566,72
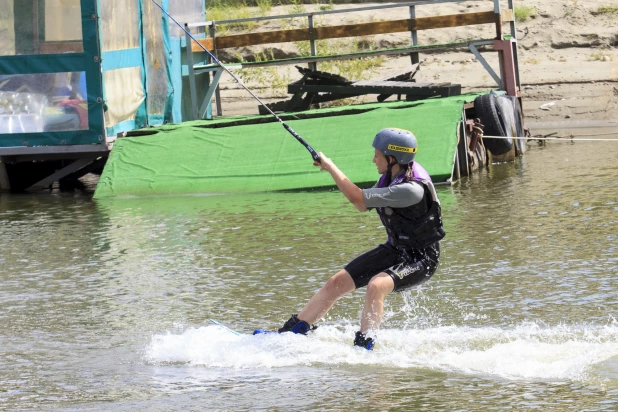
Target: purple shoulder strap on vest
x,y
419,172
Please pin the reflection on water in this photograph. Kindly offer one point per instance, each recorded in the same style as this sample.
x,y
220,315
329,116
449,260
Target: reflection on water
x,y
106,303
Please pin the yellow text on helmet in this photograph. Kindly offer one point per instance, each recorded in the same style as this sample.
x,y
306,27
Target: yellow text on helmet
x,y
401,149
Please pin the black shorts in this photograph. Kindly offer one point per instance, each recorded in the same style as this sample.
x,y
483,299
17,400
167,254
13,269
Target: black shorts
x,y
406,271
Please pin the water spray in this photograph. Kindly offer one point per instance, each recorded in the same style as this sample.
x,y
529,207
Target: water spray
x,y
302,141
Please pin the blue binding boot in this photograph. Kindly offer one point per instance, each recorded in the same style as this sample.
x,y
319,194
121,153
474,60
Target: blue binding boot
x,y
293,325
363,341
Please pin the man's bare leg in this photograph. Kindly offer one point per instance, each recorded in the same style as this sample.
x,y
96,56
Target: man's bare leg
x,y
337,286
377,289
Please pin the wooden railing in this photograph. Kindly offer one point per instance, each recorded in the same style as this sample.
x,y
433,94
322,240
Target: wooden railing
x,y
507,79
353,30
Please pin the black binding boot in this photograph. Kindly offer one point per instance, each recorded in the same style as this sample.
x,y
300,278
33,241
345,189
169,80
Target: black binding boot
x,y
363,341
295,325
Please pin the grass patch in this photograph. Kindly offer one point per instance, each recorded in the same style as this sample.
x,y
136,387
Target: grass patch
x,y
297,7
220,10
524,13
610,9
600,56
531,61
265,7
325,7
277,80
351,69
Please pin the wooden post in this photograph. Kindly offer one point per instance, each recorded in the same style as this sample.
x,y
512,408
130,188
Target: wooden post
x,y
212,30
499,37
414,57
190,64
313,66
462,148
498,19
514,36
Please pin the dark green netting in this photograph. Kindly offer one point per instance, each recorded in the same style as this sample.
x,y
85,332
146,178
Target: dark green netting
x,y
238,155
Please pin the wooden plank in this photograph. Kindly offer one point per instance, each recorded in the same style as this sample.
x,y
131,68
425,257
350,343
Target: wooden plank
x,y
363,29
207,43
401,84
507,15
252,39
396,26
454,20
350,30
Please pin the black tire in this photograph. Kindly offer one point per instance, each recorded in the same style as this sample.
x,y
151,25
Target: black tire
x,y
496,123
520,144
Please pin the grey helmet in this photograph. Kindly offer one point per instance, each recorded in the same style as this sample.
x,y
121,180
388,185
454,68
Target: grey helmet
x,y
399,143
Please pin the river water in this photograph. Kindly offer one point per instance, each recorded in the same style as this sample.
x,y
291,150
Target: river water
x,y
104,305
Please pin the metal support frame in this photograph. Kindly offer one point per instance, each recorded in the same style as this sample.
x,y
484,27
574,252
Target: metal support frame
x,y
414,57
481,59
191,64
212,88
462,148
325,12
214,85
212,31
499,36
498,22
58,152
5,184
509,74
514,36
72,168
507,80
313,66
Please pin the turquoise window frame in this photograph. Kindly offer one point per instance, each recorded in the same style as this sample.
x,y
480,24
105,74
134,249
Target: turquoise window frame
x,y
89,61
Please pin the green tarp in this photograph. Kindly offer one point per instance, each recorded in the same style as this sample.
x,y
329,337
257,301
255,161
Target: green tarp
x,y
254,154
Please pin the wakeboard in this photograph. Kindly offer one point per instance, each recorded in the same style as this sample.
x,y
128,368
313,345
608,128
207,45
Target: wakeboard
x,y
255,332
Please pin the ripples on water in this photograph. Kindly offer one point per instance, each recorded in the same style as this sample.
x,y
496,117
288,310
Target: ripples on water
x,y
105,303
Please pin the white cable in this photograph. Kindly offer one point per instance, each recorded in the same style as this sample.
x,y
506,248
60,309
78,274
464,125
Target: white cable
x,y
570,139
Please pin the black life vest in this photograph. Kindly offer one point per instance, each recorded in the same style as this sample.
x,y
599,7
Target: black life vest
x,y
417,226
